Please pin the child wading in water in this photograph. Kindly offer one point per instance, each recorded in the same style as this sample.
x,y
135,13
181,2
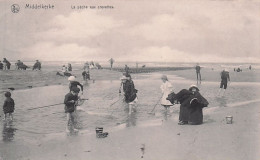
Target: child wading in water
x,y
70,102
86,75
166,89
130,93
8,106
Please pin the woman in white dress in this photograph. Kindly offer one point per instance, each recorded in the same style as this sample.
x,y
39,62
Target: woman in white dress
x,y
166,88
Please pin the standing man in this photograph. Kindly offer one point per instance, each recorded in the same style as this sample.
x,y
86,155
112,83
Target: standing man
x,y
224,81
127,70
111,60
198,72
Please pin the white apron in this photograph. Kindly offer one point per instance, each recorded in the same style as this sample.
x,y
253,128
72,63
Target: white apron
x,y
166,90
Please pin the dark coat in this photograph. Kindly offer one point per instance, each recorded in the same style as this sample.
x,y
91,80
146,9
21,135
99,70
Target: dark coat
x,y
37,65
70,106
75,84
191,106
130,91
8,106
1,65
86,75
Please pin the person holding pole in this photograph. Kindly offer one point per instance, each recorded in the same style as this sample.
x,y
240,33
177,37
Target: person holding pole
x,y
70,107
130,94
166,89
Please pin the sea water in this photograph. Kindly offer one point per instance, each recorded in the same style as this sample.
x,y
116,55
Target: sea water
x,y
106,108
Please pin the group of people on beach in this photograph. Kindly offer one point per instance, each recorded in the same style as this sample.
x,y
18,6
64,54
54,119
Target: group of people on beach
x,y
65,70
190,100
19,65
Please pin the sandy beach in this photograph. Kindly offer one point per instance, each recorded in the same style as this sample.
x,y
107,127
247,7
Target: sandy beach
x,y
159,134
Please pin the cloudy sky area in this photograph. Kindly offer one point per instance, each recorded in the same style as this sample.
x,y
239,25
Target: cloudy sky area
x,y
135,30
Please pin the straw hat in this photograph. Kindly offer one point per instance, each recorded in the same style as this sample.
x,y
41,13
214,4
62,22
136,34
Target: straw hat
x,y
193,86
71,78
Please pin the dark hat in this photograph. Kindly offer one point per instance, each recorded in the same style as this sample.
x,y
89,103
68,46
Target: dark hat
x,y
7,94
75,89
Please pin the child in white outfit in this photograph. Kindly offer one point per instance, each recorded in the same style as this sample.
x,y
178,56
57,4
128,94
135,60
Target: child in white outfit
x,y
166,88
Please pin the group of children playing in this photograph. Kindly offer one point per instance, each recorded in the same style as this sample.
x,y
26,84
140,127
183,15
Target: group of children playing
x,y
130,95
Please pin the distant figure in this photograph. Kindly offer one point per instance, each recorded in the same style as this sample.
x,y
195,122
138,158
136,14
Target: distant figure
x,y
1,65
86,66
74,83
70,108
166,89
130,94
37,65
86,75
69,67
7,64
192,103
64,72
239,69
64,68
127,70
198,72
18,63
111,60
21,66
98,65
8,106
250,67
91,65
224,81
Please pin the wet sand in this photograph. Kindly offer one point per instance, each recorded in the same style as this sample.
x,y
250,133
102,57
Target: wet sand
x,y
162,138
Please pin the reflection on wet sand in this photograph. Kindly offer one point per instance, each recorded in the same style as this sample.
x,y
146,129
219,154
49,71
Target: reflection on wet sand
x,y
131,120
8,131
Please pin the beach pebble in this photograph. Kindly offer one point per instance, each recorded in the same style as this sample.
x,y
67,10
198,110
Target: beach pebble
x,y
65,155
178,134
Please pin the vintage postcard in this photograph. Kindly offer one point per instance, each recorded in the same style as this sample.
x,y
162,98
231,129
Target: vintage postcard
x,y
129,79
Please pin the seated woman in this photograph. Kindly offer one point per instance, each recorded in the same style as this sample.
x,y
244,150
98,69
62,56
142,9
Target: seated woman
x,y
192,103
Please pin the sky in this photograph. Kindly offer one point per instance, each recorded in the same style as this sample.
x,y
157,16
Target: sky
x,y
133,30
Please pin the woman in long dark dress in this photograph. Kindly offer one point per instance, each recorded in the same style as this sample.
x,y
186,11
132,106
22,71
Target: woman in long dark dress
x,y
192,103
